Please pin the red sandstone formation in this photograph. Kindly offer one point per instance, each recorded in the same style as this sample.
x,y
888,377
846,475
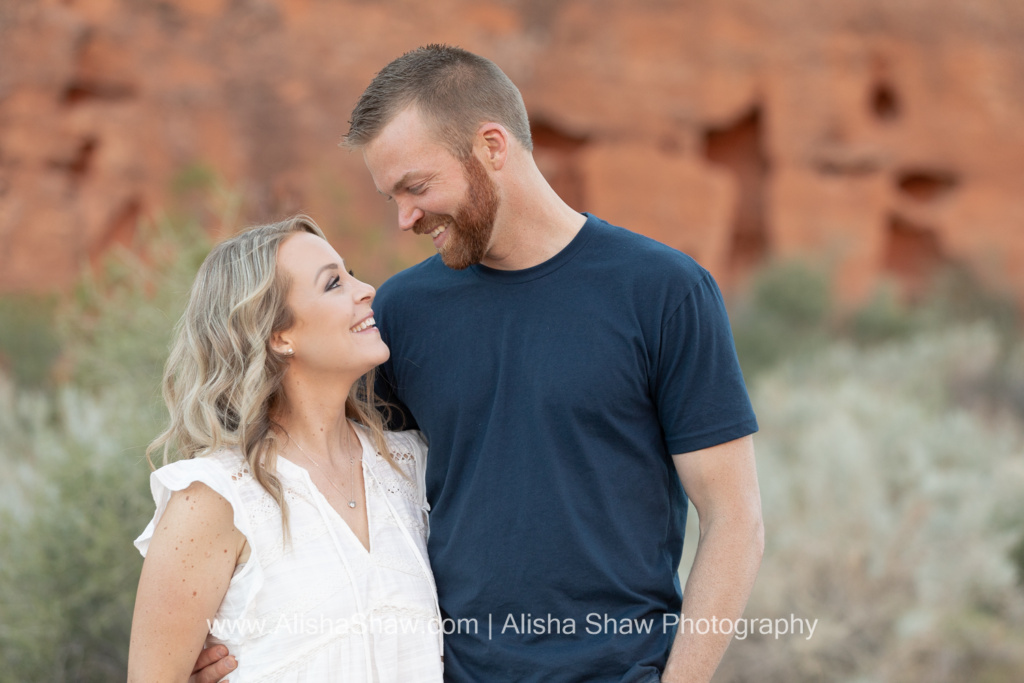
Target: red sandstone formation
x,y
886,138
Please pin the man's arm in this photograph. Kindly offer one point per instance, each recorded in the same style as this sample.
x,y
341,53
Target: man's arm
x,y
214,663
722,483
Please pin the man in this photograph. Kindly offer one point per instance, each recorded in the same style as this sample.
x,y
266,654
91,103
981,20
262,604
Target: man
x,y
573,379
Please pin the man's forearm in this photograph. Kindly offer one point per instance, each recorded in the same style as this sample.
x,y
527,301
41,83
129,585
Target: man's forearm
x,y
724,569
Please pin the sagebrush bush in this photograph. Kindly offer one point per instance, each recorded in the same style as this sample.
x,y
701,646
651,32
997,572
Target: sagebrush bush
x,y
786,312
891,514
74,499
28,344
76,491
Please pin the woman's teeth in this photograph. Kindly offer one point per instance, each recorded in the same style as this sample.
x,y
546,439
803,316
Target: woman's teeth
x,y
369,322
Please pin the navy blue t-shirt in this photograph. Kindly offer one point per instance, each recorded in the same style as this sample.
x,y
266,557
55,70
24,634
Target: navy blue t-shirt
x,y
553,399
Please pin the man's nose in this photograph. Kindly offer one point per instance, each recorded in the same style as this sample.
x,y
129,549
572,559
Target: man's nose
x,y
408,215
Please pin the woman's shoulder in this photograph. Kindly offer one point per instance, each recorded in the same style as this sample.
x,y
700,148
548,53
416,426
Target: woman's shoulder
x,y
223,472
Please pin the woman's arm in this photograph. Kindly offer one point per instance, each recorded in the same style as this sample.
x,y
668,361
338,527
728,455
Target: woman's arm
x,y
188,567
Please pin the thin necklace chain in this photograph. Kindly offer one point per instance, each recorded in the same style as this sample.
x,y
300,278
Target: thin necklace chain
x,y
351,462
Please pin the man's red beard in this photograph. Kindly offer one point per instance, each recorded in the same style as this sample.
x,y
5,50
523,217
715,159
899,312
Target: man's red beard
x,y
470,227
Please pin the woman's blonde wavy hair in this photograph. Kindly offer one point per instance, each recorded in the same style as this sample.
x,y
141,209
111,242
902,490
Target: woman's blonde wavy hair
x,y
222,381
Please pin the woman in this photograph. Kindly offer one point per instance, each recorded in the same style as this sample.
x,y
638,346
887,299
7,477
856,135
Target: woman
x,y
293,530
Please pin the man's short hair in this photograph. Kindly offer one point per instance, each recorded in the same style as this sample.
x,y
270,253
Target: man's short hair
x,y
455,91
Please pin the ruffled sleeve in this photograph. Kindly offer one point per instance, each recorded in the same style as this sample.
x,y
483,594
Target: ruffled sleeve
x,y
216,472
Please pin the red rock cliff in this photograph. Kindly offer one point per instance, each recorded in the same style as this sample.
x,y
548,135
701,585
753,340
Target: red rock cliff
x,y
886,138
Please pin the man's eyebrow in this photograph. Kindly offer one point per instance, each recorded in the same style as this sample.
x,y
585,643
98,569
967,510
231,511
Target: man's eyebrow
x,y
321,269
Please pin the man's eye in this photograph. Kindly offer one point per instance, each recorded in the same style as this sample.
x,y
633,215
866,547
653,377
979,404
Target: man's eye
x,y
417,189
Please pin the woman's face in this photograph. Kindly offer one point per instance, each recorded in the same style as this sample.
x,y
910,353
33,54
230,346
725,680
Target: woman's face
x,y
334,334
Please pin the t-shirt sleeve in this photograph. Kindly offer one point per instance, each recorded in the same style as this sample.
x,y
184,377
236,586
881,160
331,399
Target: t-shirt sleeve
x,y
698,387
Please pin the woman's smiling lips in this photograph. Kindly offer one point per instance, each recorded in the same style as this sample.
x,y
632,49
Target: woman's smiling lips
x,y
367,323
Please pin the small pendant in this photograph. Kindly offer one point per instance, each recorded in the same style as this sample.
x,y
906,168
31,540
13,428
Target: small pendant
x,y
351,503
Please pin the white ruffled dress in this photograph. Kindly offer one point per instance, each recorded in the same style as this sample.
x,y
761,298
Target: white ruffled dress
x,y
322,608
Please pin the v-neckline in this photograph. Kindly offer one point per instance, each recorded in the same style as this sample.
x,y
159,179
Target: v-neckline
x,y
368,549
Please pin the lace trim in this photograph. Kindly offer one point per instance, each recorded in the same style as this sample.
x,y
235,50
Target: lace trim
x,y
400,456
391,481
241,474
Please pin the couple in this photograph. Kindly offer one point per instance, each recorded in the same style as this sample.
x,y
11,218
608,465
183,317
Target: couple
x,y
576,383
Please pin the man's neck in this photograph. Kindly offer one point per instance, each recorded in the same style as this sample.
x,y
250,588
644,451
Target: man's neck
x,y
532,228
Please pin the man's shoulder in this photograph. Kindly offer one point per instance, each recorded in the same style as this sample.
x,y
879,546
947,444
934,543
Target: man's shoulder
x,y
643,256
428,272
425,269
411,283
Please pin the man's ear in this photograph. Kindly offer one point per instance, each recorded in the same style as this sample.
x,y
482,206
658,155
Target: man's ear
x,y
493,144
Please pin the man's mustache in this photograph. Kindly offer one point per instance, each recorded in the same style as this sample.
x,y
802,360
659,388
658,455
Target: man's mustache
x,y
429,223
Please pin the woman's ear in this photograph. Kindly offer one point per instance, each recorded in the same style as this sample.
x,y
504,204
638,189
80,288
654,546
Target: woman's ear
x,y
281,344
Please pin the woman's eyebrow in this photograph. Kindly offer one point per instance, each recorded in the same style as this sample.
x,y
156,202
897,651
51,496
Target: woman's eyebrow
x,y
322,269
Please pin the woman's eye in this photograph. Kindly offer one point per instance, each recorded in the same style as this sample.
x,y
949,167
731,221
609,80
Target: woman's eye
x,y
334,282
351,273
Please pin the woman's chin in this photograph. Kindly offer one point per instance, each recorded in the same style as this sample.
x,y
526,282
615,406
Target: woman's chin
x,y
374,359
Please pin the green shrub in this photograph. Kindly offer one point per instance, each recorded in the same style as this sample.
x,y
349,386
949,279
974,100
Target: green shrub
x,y
956,297
78,493
75,499
784,314
890,515
28,344
118,325
788,312
882,318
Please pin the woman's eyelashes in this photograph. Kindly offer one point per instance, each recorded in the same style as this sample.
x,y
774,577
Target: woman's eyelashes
x,y
336,281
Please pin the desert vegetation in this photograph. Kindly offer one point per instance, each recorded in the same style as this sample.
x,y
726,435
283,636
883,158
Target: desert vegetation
x,y
890,461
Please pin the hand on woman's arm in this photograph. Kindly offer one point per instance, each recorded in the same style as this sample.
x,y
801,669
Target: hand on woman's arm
x,y
188,567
